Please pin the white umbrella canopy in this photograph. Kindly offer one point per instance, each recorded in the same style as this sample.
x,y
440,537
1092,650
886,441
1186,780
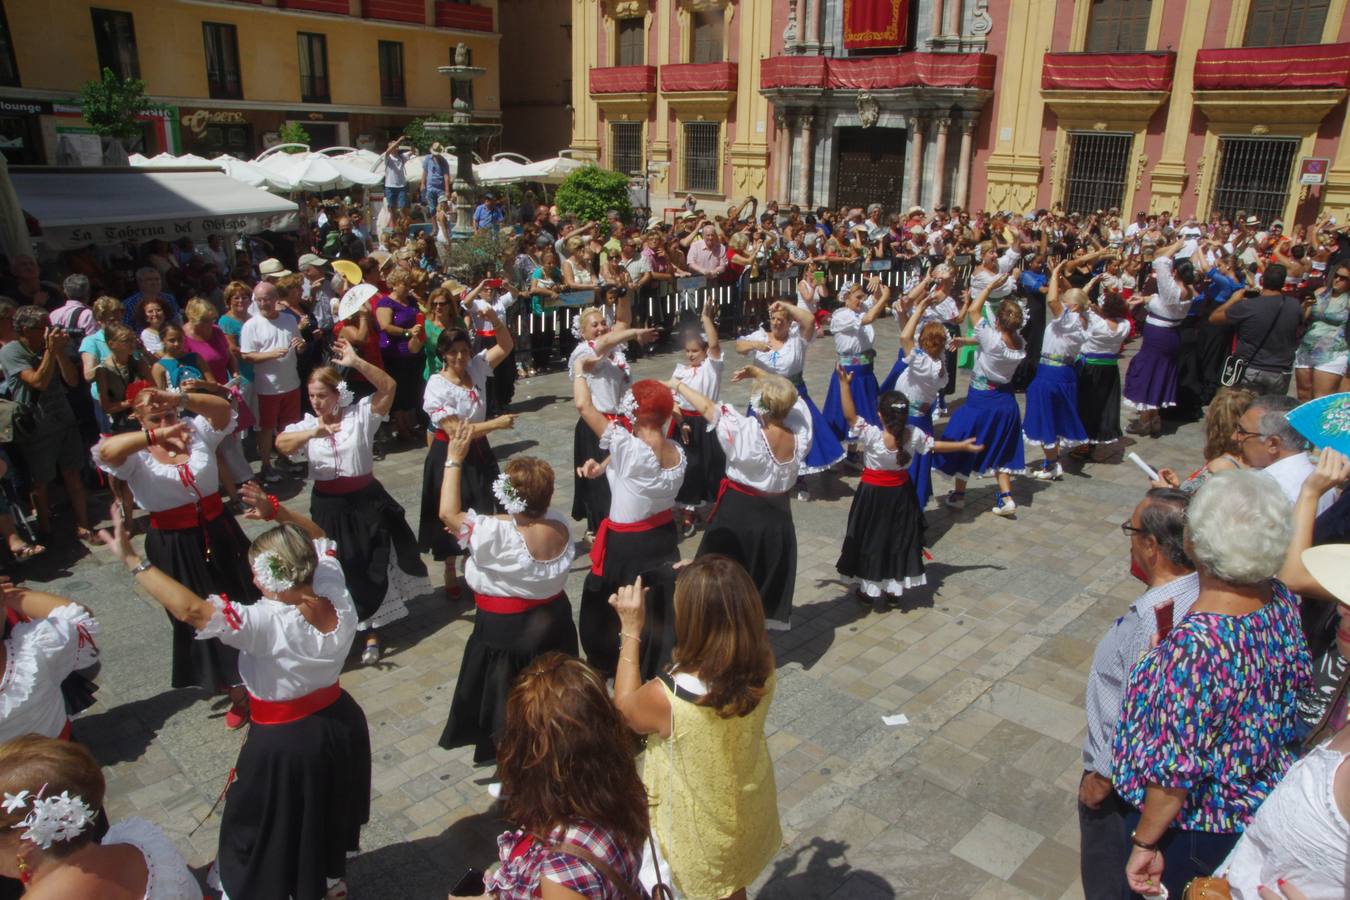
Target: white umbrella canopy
x,y
316,172
252,175
551,171
169,161
501,171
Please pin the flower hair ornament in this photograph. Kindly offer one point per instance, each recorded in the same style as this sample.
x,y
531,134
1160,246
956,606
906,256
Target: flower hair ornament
x,y
345,396
758,405
50,819
507,496
628,406
576,327
272,574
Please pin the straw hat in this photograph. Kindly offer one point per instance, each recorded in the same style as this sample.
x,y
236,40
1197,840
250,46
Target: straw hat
x,y
355,300
272,268
1330,565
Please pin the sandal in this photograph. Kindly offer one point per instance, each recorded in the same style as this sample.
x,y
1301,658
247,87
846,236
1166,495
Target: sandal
x,y
27,551
86,535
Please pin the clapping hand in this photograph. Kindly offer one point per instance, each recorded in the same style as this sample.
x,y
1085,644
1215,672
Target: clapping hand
x,y
629,604
174,438
255,498
1333,469
590,469
344,354
461,436
118,540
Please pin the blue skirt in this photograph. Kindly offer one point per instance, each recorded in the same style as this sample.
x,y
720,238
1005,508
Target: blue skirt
x,y
1151,379
921,466
826,452
1052,408
865,393
992,418
896,371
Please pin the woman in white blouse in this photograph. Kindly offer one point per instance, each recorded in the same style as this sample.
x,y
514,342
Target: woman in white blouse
x,y
458,393
375,545
781,350
1151,380
851,326
752,521
599,356
50,828
170,466
301,790
990,413
638,538
705,463
491,295
53,638
1051,419
1099,377
922,381
517,569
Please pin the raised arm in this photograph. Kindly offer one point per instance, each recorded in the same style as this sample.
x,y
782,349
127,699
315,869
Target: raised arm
x,y
31,604
912,324
706,408
800,314
1220,315
451,510
581,399
975,305
846,404
1333,470
1052,294
710,329
506,342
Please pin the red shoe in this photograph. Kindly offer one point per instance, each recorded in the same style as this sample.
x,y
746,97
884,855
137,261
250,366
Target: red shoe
x,y
237,717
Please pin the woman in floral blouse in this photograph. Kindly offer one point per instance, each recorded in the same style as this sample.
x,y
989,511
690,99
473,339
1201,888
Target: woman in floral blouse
x,y
1320,361
1209,714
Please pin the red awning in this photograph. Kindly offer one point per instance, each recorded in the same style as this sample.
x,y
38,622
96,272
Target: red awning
x,y
1305,66
1108,71
959,70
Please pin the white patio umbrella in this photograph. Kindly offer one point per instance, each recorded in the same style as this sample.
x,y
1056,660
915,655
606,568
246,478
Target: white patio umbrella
x,y
552,171
252,175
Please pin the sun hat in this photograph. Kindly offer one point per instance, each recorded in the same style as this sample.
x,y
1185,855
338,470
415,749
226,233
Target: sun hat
x,y
272,268
1330,565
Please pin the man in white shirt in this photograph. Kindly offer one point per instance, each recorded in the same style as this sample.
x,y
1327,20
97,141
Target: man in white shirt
x,y
270,341
1269,443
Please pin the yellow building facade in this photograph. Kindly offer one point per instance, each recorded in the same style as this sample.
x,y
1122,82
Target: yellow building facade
x,y
230,74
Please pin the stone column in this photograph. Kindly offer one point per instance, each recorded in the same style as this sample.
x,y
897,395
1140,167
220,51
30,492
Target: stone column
x,y
961,189
783,152
806,120
915,176
937,22
813,26
799,38
943,123
953,28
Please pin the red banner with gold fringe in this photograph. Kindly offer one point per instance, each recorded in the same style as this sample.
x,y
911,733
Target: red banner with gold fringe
x,y
1310,67
875,23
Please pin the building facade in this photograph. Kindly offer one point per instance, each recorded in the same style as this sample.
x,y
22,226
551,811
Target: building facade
x,y
537,95
228,74
1190,106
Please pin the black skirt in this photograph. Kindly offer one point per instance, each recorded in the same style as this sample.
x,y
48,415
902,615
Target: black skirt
x,y
1099,402
475,492
501,384
500,646
628,555
758,532
884,540
182,554
300,796
408,384
706,464
371,531
590,496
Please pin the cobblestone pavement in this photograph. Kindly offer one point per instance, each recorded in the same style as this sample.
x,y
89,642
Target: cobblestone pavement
x,y
974,797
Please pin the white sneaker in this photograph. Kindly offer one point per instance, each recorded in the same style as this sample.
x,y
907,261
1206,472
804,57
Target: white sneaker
x,y
1049,473
370,655
953,500
803,495
1006,507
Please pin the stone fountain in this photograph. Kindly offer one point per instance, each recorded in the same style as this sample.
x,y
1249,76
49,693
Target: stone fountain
x,y
460,135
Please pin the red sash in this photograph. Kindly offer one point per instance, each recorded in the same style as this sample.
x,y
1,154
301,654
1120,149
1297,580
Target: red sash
x,y
344,484
507,606
735,486
664,517
65,732
885,477
282,712
189,515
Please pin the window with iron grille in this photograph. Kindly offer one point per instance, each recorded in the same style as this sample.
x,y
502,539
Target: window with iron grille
x,y
702,162
1118,26
115,42
1254,176
1279,23
461,88
9,68
1098,166
222,61
631,46
391,73
313,67
706,39
625,147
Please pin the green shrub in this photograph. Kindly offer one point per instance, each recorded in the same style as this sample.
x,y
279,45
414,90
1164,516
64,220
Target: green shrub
x,y
590,192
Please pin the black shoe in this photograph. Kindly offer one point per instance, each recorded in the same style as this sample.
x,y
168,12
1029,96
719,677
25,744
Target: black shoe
x,y
880,604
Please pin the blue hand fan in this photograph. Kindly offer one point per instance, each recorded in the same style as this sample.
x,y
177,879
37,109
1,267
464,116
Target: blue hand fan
x,y
1324,421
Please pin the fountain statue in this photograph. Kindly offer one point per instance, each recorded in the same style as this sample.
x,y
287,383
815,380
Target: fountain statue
x,y
460,134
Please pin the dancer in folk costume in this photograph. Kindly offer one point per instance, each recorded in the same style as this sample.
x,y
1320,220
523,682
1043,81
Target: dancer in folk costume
x,y
853,332
1051,420
924,346
705,463
376,547
1151,381
1099,374
883,546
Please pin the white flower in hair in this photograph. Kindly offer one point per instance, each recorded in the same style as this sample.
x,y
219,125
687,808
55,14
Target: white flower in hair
x,y
506,495
345,397
272,574
55,819
628,406
15,801
576,327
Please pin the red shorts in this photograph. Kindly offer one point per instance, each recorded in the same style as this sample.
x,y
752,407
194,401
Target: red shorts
x,y
276,411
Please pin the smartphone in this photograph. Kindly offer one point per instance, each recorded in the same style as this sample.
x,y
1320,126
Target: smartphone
x,y
818,277
494,283
470,884
1162,619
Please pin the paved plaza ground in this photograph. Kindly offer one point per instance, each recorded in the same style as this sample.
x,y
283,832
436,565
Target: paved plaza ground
x,y
973,798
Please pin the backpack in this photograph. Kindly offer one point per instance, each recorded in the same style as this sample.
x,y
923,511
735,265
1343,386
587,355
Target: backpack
x,y
18,410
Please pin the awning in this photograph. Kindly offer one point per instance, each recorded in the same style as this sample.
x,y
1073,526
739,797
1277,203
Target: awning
x,y
76,207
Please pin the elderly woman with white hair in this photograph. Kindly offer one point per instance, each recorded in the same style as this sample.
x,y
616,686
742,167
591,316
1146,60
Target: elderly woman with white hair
x,y
1209,714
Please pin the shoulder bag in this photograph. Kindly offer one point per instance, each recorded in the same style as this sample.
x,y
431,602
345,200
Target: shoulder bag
x,y
1234,366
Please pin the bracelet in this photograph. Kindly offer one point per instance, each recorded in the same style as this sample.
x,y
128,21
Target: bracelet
x,y
628,659
145,564
276,506
624,634
452,464
149,436
1142,845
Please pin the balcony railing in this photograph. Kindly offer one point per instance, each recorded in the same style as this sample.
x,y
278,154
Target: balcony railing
x,y
1300,67
623,80
957,70
684,77
1108,71
464,16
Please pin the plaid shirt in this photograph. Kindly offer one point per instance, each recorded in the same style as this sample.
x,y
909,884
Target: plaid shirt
x,y
524,861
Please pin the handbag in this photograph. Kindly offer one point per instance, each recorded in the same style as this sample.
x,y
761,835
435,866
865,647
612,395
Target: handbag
x,y
1234,366
1207,888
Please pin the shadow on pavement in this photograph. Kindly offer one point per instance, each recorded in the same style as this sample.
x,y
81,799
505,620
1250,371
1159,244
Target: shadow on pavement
x,y
827,873
123,733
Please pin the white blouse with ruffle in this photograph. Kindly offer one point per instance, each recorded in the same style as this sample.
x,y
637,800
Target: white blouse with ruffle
x,y
38,656
159,486
168,876
500,564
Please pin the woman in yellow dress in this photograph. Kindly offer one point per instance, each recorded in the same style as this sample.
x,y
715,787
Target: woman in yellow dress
x,y
714,808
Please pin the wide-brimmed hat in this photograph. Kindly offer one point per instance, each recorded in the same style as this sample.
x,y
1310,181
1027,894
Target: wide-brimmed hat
x,y
272,268
355,300
1330,565
383,257
1253,220
311,259
348,270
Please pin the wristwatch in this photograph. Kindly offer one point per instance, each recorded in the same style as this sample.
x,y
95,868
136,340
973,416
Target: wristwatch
x,y
1142,845
452,464
145,564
